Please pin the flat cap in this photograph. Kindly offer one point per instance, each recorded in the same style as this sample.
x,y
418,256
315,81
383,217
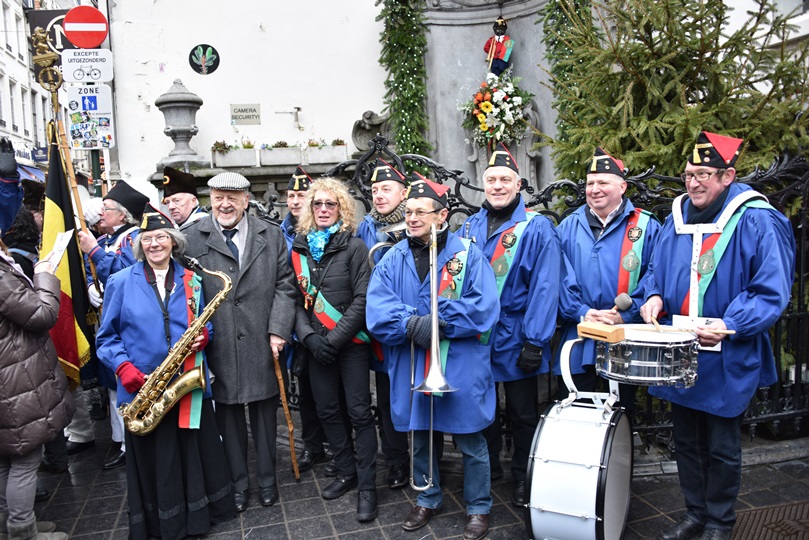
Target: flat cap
x,y
229,181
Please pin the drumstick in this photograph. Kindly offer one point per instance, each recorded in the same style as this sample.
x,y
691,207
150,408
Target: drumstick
x,y
691,330
622,302
657,324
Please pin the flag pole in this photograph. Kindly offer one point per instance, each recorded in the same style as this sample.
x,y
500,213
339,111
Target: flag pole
x,y
51,80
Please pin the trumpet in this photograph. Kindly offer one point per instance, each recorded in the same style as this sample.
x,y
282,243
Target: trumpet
x,y
392,228
435,381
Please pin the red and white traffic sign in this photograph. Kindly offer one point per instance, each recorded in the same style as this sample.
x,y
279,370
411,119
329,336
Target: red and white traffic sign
x,y
85,27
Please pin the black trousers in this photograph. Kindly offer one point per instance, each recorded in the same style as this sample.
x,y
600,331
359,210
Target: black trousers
x,y
349,372
311,430
522,411
394,443
230,420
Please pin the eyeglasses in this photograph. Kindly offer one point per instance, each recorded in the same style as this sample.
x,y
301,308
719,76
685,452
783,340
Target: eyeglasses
x,y
331,205
700,176
160,238
109,209
421,214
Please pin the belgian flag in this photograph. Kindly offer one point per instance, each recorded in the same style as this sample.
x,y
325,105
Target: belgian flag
x,y
70,335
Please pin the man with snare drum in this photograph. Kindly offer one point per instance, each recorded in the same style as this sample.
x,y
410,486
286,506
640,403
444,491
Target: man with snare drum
x,y
608,243
724,262
398,314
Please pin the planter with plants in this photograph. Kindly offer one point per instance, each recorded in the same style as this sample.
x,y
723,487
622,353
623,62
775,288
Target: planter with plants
x,y
234,155
279,153
318,151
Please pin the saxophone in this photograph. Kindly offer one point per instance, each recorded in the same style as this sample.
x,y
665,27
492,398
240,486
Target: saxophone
x,y
159,394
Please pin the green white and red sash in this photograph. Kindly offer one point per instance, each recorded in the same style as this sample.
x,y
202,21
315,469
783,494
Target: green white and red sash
x,y
326,313
632,251
451,286
713,247
503,257
191,403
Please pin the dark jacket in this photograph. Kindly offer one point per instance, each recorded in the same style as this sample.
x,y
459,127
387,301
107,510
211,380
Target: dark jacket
x,y
34,401
344,285
262,302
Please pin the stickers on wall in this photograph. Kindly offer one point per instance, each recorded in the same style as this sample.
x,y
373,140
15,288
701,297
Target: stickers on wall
x,y
204,59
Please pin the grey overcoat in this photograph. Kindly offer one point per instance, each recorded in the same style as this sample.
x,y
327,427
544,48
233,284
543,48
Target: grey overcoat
x,y
262,302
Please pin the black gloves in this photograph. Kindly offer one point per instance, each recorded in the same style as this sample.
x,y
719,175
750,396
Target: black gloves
x,y
8,164
530,358
418,329
323,351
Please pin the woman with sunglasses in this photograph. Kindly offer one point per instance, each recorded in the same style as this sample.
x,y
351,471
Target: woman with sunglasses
x,y
332,273
176,484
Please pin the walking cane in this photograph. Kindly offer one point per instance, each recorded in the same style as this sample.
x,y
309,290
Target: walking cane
x,y
290,427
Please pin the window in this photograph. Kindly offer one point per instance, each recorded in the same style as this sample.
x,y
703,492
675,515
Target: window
x,y
2,93
12,89
6,28
24,103
21,47
34,117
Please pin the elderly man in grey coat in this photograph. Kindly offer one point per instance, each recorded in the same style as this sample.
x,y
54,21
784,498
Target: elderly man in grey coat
x,y
251,326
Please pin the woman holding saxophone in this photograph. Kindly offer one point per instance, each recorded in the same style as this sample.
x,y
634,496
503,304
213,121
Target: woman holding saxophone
x,y
176,484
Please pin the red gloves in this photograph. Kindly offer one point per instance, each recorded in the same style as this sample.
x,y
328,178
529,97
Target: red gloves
x,y
131,377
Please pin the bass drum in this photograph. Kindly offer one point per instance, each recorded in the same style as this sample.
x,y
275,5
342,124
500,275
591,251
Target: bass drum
x,y
579,474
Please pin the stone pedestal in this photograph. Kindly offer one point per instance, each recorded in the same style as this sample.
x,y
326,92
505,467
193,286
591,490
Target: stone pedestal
x,y
179,107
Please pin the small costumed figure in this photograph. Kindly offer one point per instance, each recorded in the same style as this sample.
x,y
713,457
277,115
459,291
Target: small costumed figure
x,y
498,47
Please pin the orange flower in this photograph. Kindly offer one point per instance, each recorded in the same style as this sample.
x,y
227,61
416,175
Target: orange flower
x,y
483,84
476,112
478,97
487,96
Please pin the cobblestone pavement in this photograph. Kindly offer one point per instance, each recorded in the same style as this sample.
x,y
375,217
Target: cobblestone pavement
x,y
90,503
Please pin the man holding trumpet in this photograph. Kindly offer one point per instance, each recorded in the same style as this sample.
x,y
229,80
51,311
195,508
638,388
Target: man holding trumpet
x,y
398,314
723,266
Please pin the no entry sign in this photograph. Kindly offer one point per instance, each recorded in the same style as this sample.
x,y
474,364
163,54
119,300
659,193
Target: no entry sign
x,y
85,27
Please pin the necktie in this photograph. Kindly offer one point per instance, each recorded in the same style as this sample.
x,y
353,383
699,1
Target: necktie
x,y
229,243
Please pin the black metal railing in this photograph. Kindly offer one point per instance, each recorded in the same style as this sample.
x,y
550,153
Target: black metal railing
x,y
781,408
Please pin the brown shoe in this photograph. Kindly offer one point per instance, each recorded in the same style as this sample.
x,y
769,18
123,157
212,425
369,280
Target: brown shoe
x,y
418,518
477,525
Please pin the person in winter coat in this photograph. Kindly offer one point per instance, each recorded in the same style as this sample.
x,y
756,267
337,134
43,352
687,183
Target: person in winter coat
x,y
176,484
34,402
332,272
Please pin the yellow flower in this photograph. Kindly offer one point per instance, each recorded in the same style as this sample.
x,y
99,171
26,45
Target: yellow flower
x,y
481,118
486,106
484,126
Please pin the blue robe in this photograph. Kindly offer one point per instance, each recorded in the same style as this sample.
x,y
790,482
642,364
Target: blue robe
x,y
593,283
10,201
749,292
132,327
394,295
109,262
530,295
288,228
367,232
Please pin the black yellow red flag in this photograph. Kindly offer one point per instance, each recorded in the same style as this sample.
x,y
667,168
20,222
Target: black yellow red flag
x,y
70,335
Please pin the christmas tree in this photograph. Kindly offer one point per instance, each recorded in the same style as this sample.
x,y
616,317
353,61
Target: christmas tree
x,y
641,79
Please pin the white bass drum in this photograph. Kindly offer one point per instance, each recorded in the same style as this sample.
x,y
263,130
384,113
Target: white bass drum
x,y
579,474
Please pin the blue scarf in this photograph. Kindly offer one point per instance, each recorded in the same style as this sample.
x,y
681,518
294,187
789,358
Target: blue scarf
x,y
318,239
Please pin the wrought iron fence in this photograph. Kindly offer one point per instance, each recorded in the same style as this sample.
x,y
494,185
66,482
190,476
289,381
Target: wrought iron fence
x,y
780,408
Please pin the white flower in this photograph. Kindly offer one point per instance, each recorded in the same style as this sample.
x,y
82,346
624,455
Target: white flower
x,y
499,95
516,100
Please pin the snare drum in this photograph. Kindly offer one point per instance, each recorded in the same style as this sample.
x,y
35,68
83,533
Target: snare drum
x,y
649,358
579,474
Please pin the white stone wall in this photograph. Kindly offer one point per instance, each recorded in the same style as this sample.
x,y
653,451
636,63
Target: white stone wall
x,y
321,56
